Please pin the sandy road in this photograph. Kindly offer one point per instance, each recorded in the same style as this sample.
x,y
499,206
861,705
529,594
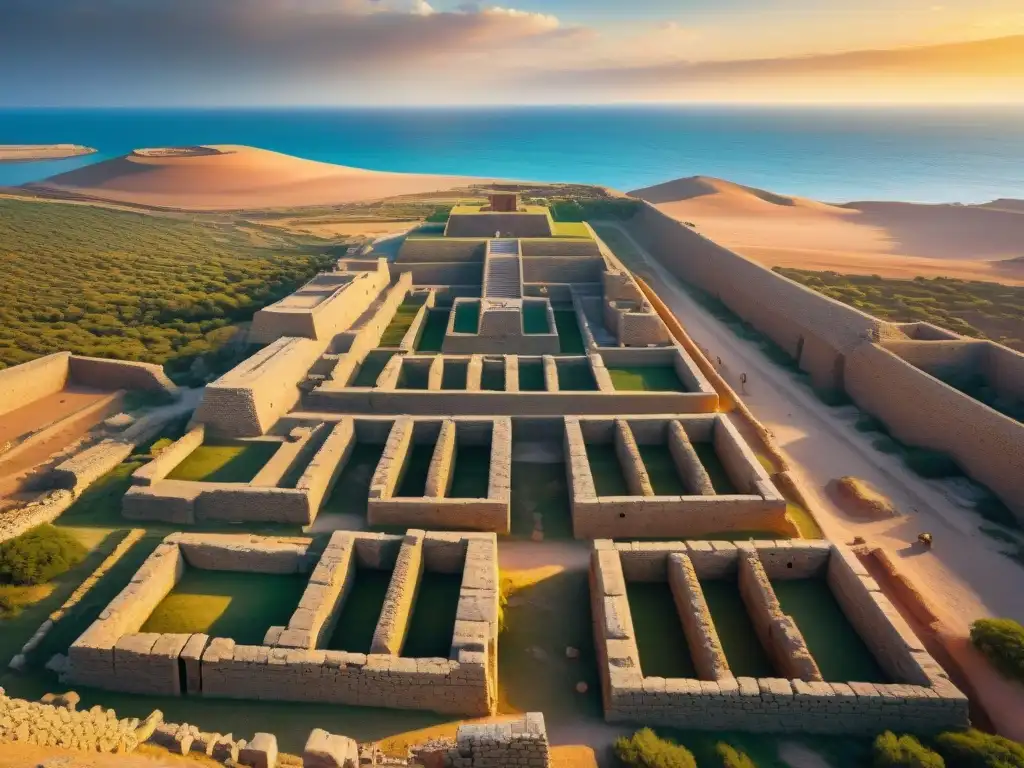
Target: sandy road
x,y
964,573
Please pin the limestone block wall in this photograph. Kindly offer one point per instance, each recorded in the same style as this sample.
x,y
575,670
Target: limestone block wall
x,y
436,509
45,509
641,328
758,506
720,701
26,383
920,410
444,273
440,249
169,458
560,268
112,654
100,373
508,224
519,742
577,248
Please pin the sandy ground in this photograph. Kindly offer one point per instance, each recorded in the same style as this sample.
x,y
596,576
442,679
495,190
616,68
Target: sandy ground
x,y
902,240
963,574
229,177
25,153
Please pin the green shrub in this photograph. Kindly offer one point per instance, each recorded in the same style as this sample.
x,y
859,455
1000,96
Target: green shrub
x,y
1002,643
644,749
974,749
39,555
892,751
732,757
886,444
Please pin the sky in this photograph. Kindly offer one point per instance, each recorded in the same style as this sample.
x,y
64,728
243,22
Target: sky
x,y
438,52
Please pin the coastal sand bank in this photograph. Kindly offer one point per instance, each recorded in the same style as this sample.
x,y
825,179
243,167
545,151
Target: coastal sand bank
x,y
26,153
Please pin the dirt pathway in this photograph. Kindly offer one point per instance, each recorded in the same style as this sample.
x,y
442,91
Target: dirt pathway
x,y
964,574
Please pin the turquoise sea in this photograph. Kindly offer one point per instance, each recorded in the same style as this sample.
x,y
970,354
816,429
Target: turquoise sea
x,y
935,154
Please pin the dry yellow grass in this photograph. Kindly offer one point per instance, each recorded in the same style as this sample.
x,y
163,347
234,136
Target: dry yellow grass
x,y
858,498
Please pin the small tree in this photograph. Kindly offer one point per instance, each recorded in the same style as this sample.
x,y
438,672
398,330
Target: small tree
x,y
644,749
732,757
892,751
1002,643
39,555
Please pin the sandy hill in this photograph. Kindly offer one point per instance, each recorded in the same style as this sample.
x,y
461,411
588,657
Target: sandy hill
x,y
976,242
225,177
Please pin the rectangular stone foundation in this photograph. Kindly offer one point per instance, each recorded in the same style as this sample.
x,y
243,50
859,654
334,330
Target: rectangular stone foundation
x,y
291,666
922,699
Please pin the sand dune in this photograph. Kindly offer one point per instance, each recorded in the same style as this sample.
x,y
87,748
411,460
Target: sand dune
x,y
974,242
225,177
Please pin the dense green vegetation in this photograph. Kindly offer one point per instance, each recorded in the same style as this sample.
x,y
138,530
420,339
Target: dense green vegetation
x,y
644,749
969,307
975,749
38,556
585,209
1002,643
905,751
135,286
645,378
238,463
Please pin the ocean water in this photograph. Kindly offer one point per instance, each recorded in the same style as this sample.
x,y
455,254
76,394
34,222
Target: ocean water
x,y
934,154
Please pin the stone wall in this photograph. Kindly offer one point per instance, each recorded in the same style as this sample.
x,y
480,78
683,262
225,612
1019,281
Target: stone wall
x,y
520,742
920,410
437,249
561,269
23,384
112,654
915,702
577,248
508,224
759,506
99,373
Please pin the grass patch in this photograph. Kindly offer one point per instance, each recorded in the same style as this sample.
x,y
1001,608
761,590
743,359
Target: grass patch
x,y
576,377
645,749
743,651
434,328
535,317
571,229
467,317
609,479
214,463
14,598
417,467
359,617
472,472
839,651
433,617
371,368
531,377
645,379
400,324
585,209
715,468
540,490
1001,641
352,489
241,606
570,338
39,555
659,633
661,469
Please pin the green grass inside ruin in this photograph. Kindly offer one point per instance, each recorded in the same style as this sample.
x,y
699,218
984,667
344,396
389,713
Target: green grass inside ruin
x,y
454,375
713,465
535,317
417,466
570,338
467,317
661,378
225,463
606,469
371,369
661,469
531,377
358,619
540,494
433,616
241,606
659,633
399,324
353,485
576,377
413,376
434,328
472,472
841,654
492,377
743,651
571,229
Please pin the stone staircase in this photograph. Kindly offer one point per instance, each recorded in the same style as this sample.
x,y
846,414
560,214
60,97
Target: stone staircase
x,y
503,275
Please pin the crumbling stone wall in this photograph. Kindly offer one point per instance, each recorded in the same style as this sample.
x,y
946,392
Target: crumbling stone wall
x,y
519,742
921,699
23,384
100,373
519,224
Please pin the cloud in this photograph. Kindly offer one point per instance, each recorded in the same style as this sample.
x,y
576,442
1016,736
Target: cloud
x,y
66,46
995,59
